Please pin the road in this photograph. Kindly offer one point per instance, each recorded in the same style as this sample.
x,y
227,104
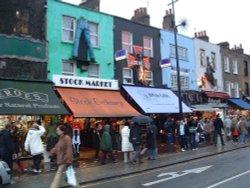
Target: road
x,y
228,170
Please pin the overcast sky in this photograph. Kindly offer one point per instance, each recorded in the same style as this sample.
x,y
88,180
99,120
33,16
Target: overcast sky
x,y
223,20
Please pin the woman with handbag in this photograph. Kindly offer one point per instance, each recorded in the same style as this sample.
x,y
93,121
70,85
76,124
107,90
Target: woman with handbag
x,y
64,155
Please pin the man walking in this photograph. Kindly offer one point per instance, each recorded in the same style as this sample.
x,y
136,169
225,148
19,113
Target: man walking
x,y
218,126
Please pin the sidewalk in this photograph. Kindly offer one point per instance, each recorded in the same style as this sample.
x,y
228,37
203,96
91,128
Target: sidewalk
x,y
111,170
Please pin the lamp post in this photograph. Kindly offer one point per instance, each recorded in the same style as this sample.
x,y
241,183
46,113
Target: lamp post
x,y
183,24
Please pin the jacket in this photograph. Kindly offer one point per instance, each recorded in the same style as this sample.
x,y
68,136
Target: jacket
x,y
33,142
6,143
126,144
63,150
106,140
151,137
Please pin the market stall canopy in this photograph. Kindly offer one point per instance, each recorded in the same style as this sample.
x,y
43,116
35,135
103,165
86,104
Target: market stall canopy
x,y
156,100
240,103
96,103
29,98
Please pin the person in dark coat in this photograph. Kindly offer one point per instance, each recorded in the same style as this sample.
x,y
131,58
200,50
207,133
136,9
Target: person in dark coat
x,y
169,132
218,126
135,139
192,127
151,141
7,147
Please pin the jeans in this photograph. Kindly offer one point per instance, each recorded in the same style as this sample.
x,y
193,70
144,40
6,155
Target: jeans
x,y
169,140
82,27
243,138
152,153
37,159
193,144
216,133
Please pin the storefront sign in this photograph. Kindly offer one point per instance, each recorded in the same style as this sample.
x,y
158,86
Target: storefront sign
x,y
84,82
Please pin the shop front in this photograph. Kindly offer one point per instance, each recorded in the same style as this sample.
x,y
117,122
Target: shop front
x,y
237,106
91,101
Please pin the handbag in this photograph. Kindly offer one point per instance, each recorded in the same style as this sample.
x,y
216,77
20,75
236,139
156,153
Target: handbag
x,y
71,177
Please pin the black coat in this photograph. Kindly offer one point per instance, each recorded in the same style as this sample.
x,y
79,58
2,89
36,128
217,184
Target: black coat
x,y
151,141
7,146
218,124
135,134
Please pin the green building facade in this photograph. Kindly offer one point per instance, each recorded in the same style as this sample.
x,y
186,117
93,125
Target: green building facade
x,y
62,20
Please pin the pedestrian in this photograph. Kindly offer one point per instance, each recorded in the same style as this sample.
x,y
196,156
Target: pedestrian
x,y
63,152
33,144
182,132
136,140
126,145
228,127
151,141
106,144
243,129
169,133
218,127
6,146
235,130
97,138
192,128
209,131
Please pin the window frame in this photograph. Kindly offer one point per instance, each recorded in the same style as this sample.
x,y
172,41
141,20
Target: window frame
x,y
73,68
129,46
226,64
124,77
235,66
67,29
150,79
93,75
94,35
150,48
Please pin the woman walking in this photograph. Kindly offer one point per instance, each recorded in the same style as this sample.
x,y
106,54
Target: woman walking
x,y
127,146
63,152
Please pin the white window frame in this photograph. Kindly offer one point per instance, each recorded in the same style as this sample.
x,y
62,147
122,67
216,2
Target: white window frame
x,y
94,36
213,60
182,52
228,87
150,78
72,63
226,64
91,74
235,66
236,90
203,57
184,79
125,45
148,49
126,77
69,29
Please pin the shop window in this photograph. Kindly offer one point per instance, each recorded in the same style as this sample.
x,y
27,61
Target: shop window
x,y
148,46
127,41
127,76
94,71
68,29
94,34
68,68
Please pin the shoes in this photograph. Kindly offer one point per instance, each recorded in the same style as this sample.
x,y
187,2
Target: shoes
x,y
183,149
36,172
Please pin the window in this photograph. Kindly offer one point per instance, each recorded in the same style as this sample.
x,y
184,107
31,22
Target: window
x,y
236,89
94,34
203,57
226,64
184,79
246,88
149,78
93,71
235,66
127,76
182,52
148,46
68,68
22,22
245,68
213,60
68,29
228,87
127,41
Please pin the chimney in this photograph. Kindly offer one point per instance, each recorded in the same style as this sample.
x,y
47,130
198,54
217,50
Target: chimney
x,y
238,49
201,35
224,45
90,4
168,20
141,16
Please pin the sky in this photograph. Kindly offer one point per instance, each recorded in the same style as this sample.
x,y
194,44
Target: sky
x,y
223,20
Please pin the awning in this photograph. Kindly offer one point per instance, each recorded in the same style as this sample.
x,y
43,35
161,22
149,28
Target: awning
x,y
240,103
96,103
156,100
29,98
203,108
214,94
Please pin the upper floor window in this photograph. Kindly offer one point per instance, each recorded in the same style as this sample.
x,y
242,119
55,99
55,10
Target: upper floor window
x,y
235,66
93,71
127,74
236,89
148,46
94,34
245,68
226,64
150,78
182,52
228,87
127,41
213,60
68,68
246,88
22,22
202,57
184,79
68,29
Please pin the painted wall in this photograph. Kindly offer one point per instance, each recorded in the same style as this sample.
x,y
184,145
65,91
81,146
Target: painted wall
x,y
59,50
209,48
167,39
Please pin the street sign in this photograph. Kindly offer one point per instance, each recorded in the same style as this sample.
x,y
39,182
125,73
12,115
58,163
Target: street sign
x,y
173,175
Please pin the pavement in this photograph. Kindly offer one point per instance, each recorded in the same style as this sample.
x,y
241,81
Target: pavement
x,y
96,172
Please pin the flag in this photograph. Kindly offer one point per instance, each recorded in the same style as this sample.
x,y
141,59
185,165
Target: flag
x,y
165,63
137,49
146,63
131,61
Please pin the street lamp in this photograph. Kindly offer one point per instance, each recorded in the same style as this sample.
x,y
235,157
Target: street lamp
x,y
182,24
